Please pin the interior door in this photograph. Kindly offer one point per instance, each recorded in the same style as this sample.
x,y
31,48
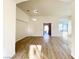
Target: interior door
x,y
47,28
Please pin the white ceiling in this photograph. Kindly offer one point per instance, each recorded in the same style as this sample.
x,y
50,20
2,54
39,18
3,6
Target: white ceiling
x,y
47,7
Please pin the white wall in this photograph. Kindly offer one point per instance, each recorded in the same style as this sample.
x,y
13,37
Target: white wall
x,y
9,28
21,24
36,27
72,38
73,34
21,30
1,29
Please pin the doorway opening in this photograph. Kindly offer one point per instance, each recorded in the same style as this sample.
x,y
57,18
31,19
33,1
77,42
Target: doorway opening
x,y
47,29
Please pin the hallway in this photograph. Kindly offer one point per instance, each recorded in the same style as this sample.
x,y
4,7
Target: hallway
x,y
55,48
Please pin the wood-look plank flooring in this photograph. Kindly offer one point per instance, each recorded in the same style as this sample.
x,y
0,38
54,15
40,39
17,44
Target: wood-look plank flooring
x,y
55,48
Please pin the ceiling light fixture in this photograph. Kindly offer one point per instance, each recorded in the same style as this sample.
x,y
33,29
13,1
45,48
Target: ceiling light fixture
x,y
35,11
34,19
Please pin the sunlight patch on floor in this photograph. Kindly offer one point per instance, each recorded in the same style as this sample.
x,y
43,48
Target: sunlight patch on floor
x,y
35,52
